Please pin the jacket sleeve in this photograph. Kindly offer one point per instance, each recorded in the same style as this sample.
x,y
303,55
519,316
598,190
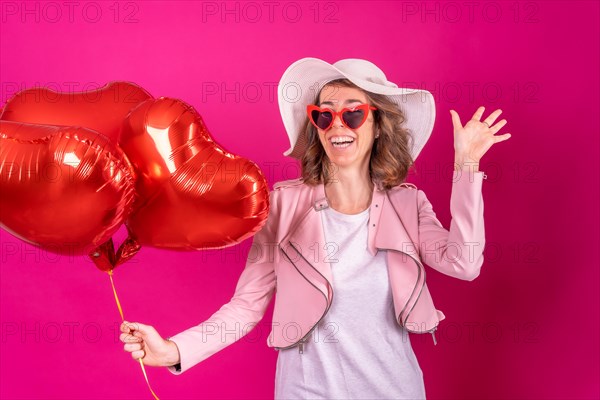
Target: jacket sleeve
x,y
240,315
458,252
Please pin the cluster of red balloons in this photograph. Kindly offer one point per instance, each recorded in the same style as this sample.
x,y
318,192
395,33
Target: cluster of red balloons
x,y
75,166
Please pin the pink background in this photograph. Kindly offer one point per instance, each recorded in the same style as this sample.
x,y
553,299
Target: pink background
x,y
528,327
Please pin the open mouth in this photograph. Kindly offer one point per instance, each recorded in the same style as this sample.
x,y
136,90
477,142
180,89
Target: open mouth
x,y
340,142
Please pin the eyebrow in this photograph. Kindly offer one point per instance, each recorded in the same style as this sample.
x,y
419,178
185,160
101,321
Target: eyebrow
x,y
346,102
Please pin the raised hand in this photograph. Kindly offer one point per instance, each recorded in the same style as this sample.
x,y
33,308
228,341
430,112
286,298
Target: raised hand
x,y
475,138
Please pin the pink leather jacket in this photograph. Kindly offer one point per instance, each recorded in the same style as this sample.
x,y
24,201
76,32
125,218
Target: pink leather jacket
x,y
289,256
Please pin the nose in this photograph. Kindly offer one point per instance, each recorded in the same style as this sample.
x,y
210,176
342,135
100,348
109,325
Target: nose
x,y
337,121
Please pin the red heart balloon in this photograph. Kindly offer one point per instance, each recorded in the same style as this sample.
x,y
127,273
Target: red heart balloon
x,y
192,193
66,189
102,110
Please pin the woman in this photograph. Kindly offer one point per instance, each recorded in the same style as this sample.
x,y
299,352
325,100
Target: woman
x,y
344,245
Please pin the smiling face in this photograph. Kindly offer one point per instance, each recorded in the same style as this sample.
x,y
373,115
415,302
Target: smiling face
x,y
346,147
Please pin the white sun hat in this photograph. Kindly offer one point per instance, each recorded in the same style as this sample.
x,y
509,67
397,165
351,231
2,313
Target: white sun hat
x,y
303,80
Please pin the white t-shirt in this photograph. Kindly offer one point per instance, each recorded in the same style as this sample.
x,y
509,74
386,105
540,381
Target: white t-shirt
x,y
358,350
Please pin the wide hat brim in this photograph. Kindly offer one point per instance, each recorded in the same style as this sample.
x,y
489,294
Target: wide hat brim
x,y
303,80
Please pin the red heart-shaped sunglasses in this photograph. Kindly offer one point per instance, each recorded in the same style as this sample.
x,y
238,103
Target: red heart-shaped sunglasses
x,y
352,117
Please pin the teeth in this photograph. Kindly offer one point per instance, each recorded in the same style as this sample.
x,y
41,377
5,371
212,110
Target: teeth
x,y
341,142
341,139
341,145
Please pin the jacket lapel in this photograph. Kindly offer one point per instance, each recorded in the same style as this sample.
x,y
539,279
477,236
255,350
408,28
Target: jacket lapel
x,y
305,244
396,227
391,227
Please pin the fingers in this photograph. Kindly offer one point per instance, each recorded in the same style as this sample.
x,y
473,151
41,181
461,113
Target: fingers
x,y
478,113
130,332
455,120
126,327
477,117
131,347
502,138
498,126
133,333
492,117
138,354
129,338
135,328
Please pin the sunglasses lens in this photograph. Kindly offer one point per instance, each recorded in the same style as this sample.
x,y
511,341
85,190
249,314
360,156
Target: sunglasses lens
x,y
322,119
354,119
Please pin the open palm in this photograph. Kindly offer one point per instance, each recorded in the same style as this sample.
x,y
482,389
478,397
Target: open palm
x,y
475,138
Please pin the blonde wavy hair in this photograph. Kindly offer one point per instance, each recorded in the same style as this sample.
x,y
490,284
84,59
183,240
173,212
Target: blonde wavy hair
x,y
390,159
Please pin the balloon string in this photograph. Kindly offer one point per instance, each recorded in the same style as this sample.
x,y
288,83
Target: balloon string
x,y
147,381
123,319
115,293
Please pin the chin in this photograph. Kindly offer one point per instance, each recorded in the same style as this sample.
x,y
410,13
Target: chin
x,y
343,161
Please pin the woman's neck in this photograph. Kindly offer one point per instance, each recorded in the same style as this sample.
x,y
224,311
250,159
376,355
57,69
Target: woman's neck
x,y
350,190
